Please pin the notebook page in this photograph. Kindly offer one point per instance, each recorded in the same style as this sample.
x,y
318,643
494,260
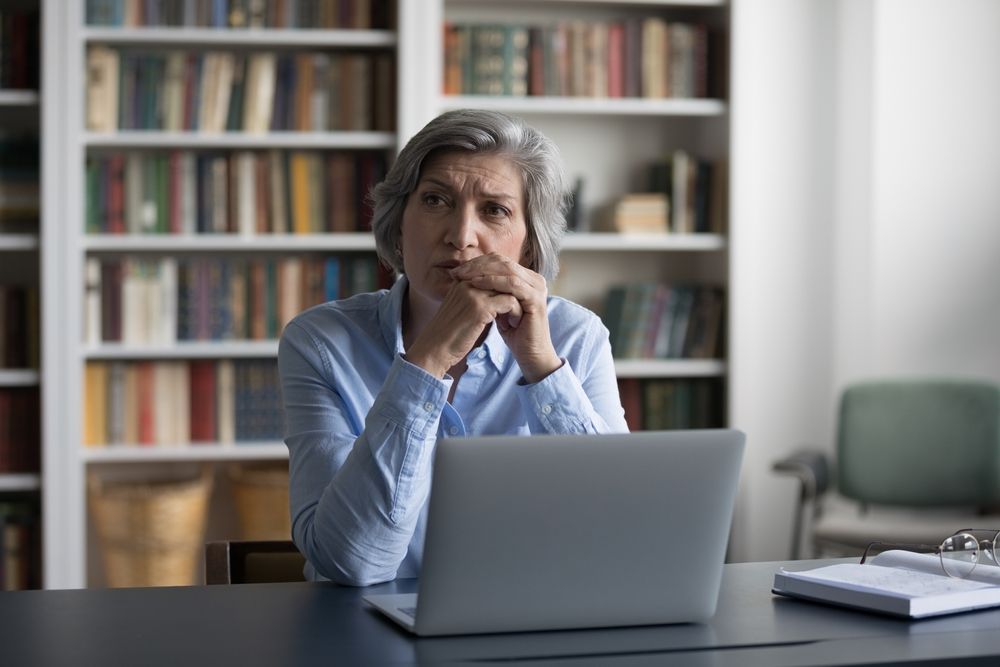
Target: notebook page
x,y
893,581
931,563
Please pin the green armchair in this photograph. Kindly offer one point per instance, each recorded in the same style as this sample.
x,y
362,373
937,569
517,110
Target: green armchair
x,y
915,461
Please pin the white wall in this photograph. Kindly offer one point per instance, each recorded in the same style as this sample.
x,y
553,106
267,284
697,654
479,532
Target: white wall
x,y
866,235
935,234
781,199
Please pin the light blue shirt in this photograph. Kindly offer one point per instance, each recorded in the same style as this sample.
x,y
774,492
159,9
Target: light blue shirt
x,y
361,423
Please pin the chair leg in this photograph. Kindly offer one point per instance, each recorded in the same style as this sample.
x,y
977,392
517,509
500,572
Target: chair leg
x,y
797,529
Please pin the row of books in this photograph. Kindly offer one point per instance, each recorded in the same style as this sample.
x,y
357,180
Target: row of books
x,y
326,14
657,321
638,57
165,300
19,43
19,429
217,91
696,190
19,177
245,192
20,545
665,404
19,334
682,194
177,403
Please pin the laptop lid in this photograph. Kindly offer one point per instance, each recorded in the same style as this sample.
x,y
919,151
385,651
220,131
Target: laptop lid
x,y
554,532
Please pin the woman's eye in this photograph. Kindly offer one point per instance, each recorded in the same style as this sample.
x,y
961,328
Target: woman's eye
x,y
432,199
497,211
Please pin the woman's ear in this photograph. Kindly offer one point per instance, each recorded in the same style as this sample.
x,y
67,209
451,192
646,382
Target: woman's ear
x,y
528,258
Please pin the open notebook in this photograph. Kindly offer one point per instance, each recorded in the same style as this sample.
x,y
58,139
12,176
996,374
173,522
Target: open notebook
x,y
555,532
899,583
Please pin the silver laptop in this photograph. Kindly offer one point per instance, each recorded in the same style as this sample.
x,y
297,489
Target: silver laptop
x,y
558,532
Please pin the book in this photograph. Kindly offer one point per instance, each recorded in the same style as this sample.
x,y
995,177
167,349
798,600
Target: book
x,y
645,212
655,66
95,387
898,583
92,302
102,89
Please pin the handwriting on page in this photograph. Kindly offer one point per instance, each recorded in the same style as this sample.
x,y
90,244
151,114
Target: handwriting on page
x,y
905,583
931,563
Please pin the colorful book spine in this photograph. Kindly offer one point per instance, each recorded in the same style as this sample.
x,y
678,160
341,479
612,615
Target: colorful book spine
x,y
648,57
172,403
163,301
242,14
653,321
244,192
220,91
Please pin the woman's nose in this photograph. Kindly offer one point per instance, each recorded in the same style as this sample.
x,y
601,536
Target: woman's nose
x,y
462,231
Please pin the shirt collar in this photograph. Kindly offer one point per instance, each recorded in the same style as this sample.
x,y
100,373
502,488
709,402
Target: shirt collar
x,y
391,324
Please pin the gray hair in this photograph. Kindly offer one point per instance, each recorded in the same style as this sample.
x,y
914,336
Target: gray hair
x,y
489,132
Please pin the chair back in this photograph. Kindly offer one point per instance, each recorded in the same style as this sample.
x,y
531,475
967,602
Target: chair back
x,y
920,443
253,562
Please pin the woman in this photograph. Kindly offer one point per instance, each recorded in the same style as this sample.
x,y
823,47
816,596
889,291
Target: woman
x,y
467,342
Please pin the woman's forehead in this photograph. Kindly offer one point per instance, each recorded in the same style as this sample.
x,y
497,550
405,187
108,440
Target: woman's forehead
x,y
492,172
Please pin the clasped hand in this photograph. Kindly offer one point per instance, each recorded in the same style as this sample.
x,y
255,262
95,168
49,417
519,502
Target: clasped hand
x,y
491,288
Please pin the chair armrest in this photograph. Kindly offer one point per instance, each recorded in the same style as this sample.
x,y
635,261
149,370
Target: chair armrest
x,y
811,467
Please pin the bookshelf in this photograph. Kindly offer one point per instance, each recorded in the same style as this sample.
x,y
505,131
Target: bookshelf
x,y
20,242
12,482
609,128
72,553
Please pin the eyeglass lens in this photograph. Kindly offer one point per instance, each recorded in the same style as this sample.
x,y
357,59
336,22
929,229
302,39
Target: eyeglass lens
x,y
959,555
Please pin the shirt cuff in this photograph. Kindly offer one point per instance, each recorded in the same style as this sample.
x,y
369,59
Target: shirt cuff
x,y
557,403
412,398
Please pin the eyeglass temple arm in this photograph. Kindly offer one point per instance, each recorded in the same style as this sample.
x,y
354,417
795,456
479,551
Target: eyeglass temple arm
x,y
911,546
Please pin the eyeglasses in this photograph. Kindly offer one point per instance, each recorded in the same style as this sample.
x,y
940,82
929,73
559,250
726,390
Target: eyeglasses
x,y
959,553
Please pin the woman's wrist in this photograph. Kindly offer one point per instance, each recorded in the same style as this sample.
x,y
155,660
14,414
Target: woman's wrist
x,y
437,369
534,373
428,362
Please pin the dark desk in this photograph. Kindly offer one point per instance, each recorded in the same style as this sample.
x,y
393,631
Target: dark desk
x,y
324,624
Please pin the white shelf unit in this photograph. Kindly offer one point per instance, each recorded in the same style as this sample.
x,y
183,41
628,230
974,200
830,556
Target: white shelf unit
x,y
18,377
185,350
590,106
70,548
574,242
353,241
256,37
18,242
606,141
19,483
19,98
237,140
606,241
268,451
674,368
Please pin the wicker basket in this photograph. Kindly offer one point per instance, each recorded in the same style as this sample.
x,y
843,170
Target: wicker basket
x,y
260,492
151,531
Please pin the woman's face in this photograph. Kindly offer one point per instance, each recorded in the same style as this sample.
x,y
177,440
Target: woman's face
x,y
465,205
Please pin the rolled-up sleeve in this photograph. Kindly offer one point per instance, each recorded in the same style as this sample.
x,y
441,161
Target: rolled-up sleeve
x,y
358,479
579,397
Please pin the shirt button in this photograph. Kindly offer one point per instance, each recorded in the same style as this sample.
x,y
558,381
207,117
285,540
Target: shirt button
x,y
546,409
428,406
453,430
